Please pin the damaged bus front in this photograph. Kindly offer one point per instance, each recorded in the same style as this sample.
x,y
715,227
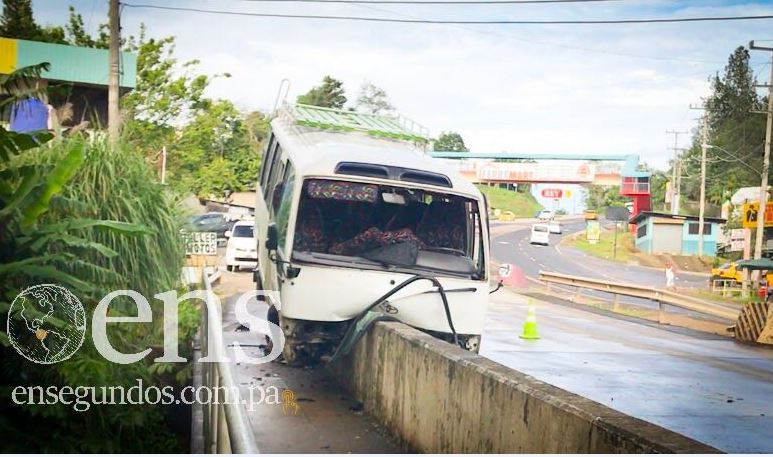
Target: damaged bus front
x,y
353,241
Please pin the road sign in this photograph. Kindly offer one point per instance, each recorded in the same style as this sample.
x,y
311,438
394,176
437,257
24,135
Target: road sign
x,y
737,237
617,213
751,213
593,232
568,194
552,193
200,243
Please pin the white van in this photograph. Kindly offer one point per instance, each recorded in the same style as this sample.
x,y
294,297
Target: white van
x,y
540,234
348,209
241,249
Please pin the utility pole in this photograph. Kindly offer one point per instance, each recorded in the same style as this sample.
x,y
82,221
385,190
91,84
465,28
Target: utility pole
x,y
113,111
702,206
675,191
765,162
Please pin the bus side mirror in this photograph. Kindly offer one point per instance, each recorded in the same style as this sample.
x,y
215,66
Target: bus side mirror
x,y
272,238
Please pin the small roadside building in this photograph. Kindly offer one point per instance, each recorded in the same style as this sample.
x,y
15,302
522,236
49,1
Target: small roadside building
x,y
662,233
80,76
238,204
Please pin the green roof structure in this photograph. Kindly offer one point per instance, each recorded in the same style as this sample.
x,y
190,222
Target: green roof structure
x,y
382,126
75,64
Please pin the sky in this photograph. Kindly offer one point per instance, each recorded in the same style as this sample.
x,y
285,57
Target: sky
x,y
585,89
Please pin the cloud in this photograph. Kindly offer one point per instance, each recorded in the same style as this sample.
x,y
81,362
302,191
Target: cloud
x,y
583,89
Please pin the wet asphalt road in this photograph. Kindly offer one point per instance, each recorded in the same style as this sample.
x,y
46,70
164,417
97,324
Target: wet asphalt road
x,y
514,248
707,387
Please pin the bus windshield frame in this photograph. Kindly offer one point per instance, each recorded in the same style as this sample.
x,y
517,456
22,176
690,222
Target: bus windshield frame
x,y
376,226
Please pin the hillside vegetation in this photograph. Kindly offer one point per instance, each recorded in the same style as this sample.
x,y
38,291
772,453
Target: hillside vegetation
x,y
521,203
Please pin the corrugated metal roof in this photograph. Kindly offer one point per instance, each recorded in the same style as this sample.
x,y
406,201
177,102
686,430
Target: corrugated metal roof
x,y
68,63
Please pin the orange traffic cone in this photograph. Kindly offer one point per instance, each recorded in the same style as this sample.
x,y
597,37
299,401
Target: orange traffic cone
x,y
530,326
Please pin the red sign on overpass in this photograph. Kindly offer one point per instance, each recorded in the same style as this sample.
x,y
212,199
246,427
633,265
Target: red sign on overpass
x,y
552,193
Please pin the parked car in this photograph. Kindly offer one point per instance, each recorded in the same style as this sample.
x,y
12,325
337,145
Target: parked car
x,y
506,216
546,215
540,234
241,249
590,215
555,227
210,222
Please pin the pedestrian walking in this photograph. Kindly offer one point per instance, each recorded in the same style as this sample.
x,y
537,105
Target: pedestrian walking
x,y
670,275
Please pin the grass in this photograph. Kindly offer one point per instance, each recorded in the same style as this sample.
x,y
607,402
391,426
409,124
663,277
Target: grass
x,y
520,203
605,247
735,298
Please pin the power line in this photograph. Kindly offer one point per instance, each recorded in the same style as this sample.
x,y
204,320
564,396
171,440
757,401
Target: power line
x,y
547,43
437,2
445,21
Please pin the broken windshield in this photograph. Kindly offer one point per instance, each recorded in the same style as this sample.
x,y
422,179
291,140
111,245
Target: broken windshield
x,y
389,226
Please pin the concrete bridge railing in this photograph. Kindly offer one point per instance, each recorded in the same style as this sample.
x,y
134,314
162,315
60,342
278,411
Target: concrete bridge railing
x,y
439,398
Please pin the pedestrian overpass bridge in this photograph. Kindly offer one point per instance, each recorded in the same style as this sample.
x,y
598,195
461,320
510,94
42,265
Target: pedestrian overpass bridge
x,y
518,167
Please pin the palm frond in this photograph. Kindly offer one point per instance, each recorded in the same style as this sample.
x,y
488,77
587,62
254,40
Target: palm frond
x,y
20,83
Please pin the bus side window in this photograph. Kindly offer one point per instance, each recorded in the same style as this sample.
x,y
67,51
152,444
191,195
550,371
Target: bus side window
x,y
266,166
283,200
276,162
274,181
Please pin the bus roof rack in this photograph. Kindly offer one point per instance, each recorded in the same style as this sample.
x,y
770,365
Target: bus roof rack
x,y
381,126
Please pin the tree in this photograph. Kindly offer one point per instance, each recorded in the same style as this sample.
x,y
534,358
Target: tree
x,y
449,141
600,197
214,151
18,22
168,108
77,35
733,128
329,94
163,96
373,100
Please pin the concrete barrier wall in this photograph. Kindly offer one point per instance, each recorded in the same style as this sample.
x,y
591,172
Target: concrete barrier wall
x,y
439,398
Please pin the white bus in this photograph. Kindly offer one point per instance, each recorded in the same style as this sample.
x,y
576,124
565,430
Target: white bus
x,y
348,208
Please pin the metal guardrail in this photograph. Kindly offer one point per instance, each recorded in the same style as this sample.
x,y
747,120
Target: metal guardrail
x,y
662,297
226,427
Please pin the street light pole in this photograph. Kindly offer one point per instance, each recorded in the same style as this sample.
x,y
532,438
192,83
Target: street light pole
x,y
765,163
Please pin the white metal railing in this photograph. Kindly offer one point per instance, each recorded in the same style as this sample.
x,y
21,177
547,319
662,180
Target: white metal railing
x,y
662,297
728,287
226,428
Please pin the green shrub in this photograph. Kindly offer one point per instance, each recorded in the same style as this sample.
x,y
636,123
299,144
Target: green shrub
x,y
94,220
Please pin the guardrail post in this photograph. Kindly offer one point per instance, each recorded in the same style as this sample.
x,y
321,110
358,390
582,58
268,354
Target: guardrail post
x,y
661,312
547,286
616,304
577,294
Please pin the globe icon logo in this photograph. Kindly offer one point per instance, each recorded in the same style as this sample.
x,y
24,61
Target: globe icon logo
x,y
46,323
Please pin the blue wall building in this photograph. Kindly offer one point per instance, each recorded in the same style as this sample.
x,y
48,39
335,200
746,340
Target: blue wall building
x,y
661,233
